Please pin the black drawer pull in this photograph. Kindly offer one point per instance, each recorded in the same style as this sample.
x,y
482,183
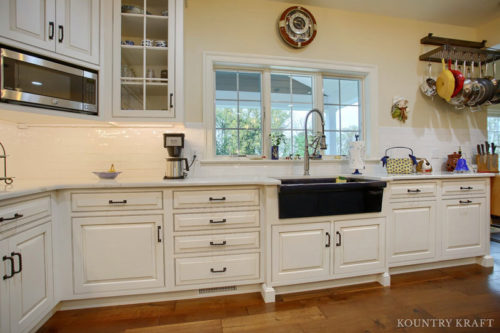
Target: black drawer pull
x,y
5,258
217,199
414,191
171,103
20,262
117,202
329,240
15,217
216,271
340,239
218,244
219,221
465,202
466,188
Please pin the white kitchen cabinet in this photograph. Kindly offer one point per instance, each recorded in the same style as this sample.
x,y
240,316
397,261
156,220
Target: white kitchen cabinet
x,y
301,252
117,253
77,29
29,21
464,227
412,231
67,27
359,246
148,77
27,286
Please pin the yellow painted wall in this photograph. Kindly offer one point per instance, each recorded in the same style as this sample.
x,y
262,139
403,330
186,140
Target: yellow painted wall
x,y
243,26
490,31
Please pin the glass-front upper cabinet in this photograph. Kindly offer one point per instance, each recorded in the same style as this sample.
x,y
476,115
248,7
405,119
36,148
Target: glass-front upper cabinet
x,y
144,58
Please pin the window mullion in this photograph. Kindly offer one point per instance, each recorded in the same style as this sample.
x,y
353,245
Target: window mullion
x,y
318,99
266,111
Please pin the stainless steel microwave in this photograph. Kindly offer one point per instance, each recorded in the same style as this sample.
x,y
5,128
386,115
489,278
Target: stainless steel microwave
x,y
32,80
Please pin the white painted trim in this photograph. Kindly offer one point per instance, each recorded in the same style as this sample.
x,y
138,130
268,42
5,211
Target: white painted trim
x,y
368,72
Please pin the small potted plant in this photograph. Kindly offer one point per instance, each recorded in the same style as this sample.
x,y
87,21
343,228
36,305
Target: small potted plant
x,y
276,138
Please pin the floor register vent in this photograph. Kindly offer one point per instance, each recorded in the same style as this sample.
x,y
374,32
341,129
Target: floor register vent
x,y
216,290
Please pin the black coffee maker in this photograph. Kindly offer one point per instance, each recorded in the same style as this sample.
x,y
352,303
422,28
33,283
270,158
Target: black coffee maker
x,y
176,164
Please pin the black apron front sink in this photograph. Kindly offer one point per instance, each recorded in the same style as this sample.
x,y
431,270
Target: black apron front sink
x,y
308,197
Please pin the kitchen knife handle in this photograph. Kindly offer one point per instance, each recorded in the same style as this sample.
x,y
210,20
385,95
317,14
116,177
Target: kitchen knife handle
x,y
478,149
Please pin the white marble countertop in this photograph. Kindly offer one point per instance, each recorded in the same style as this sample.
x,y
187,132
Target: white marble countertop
x,y
21,188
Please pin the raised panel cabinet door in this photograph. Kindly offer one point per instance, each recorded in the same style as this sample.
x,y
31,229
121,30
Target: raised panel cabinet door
x,y
117,253
31,290
301,252
5,273
412,231
77,30
29,21
359,246
465,224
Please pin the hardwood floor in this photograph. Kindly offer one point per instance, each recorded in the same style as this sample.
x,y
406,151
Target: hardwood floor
x,y
456,294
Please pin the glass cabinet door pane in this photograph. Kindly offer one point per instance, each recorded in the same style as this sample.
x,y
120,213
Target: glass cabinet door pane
x,y
157,96
132,96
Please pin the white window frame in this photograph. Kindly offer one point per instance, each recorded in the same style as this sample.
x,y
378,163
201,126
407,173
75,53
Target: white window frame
x,y
369,91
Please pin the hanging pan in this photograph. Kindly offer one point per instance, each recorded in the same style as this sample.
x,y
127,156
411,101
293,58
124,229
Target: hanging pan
x,y
445,83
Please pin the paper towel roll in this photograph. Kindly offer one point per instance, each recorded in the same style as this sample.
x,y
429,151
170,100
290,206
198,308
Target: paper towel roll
x,y
356,155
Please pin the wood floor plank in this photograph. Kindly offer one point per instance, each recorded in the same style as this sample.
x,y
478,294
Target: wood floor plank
x,y
271,321
207,326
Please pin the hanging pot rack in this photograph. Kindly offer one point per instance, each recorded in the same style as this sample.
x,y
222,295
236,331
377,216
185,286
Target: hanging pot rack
x,y
457,49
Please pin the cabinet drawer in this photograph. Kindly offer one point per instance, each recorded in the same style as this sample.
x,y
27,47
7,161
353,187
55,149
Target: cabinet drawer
x,y
216,220
25,211
463,187
215,198
412,189
107,201
217,242
217,269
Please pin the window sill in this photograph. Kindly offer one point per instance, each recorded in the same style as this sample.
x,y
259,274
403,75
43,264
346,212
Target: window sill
x,y
246,161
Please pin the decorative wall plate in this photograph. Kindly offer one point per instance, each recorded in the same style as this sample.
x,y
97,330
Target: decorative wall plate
x,y
297,27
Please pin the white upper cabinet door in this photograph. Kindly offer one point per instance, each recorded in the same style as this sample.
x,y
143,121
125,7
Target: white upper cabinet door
x,y
31,290
360,246
301,252
77,30
29,21
412,231
465,224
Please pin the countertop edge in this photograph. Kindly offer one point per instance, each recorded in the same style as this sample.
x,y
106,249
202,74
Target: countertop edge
x,y
10,192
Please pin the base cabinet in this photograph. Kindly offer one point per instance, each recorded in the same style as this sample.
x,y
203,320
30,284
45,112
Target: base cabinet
x,y
360,246
412,231
27,286
464,226
117,253
301,251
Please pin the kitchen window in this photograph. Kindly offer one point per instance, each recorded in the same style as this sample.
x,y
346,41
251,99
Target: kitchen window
x,y
245,102
494,126
238,113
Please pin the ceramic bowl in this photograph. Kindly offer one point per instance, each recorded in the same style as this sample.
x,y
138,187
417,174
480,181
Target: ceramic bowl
x,y
106,174
147,42
160,43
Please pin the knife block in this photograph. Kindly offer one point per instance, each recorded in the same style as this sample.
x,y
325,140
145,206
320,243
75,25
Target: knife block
x,y
487,163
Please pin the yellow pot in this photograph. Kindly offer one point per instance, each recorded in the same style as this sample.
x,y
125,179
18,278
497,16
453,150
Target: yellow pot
x,y
445,83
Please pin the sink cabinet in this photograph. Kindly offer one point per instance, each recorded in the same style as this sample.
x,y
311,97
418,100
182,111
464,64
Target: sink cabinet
x,y
360,246
301,251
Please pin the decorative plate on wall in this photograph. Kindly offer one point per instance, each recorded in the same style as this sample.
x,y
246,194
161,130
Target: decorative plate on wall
x,y
297,27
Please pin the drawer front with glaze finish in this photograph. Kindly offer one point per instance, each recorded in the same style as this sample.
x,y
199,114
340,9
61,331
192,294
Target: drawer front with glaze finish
x,y
201,270
215,198
216,242
412,189
110,201
216,220
25,210
464,187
